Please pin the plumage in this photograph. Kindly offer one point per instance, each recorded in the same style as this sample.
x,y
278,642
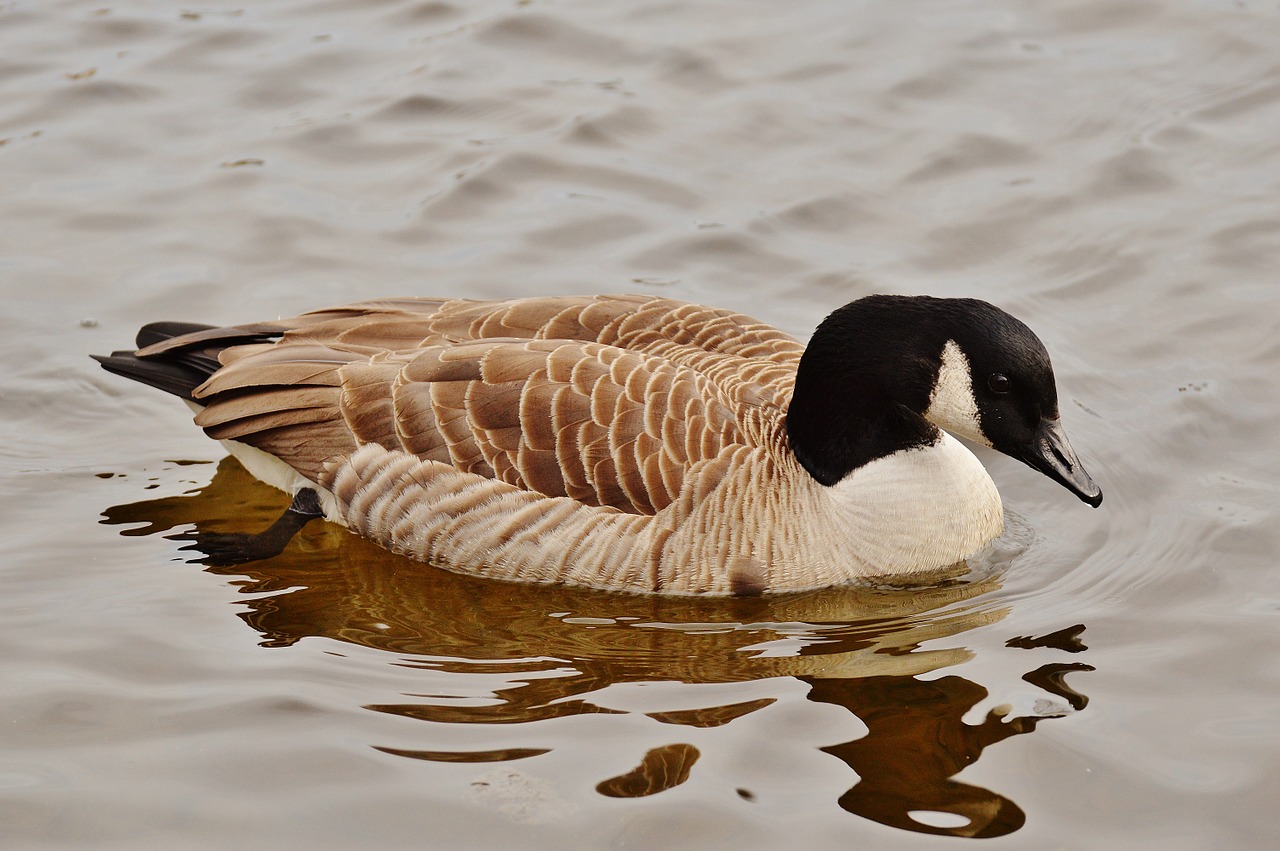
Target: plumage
x,y
629,442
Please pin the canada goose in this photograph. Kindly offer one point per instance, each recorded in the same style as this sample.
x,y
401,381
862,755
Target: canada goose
x,y
628,442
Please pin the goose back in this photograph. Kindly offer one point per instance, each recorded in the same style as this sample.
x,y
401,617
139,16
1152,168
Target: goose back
x,y
606,400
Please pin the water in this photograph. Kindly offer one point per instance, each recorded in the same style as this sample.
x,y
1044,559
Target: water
x,y
1105,170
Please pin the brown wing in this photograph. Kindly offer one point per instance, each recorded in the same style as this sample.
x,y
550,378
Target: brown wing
x,y
601,424
736,350
751,362
282,399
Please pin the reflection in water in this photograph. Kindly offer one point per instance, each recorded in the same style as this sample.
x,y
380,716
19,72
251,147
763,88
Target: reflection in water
x,y
857,648
1067,639
499,755
661,769
916,742
711,716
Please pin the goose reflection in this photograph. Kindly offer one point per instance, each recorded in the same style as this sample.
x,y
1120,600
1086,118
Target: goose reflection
x,y
857,648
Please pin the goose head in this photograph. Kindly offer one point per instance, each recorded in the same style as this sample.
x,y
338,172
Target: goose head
x,y
884,373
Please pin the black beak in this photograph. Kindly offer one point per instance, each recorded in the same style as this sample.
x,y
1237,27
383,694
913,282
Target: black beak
x,y
1050,452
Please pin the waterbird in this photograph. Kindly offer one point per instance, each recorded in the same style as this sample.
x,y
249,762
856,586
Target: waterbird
x,y
628,442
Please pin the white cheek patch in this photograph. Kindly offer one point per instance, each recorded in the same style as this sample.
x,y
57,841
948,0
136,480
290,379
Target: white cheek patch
x,y
952,406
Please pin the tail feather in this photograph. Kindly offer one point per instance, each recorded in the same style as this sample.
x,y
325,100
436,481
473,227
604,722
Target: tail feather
x,y
178,367
158,332
176,378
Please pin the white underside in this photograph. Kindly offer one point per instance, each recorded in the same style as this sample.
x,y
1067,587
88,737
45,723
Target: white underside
x,y
270,470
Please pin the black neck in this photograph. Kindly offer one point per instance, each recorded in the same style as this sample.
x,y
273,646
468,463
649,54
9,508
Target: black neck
x,y
859,394
834,430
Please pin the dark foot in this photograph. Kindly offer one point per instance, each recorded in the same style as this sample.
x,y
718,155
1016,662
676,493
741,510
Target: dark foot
x,y
220,549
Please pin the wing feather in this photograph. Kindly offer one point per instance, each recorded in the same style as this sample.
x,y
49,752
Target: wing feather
x,y
609,399
366,404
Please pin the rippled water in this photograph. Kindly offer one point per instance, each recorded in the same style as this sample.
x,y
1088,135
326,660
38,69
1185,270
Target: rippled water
x,y
1108,170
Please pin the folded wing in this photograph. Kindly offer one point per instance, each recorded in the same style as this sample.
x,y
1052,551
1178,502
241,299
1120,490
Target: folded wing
x,y
600,424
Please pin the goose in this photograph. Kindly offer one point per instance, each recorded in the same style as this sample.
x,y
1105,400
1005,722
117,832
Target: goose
x,y
629,443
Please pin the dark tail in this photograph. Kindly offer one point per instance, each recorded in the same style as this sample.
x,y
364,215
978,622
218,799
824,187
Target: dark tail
x,y
177,368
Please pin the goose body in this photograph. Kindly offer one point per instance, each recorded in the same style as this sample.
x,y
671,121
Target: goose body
x,y
630,442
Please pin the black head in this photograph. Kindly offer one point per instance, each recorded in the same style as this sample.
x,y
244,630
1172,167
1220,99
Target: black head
x,y
882,373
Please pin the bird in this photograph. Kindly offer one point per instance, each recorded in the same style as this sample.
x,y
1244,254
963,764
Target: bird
x,y
629,443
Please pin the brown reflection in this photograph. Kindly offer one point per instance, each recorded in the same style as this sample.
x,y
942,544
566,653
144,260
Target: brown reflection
x,y
711,716
519,705
915,742
1050,678
557,647
499,755
661,769
572,641
1067,640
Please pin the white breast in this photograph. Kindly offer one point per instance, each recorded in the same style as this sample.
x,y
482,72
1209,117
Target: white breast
x,y
918,509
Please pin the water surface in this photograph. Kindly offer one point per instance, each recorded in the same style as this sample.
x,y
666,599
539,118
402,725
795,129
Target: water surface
x,y
1105,170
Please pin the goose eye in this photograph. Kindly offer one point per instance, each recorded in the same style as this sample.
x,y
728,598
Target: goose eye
x,y
999,382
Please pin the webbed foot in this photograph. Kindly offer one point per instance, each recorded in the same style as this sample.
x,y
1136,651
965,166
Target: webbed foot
x,y
221,549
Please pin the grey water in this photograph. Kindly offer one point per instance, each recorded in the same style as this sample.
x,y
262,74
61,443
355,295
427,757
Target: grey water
x,y
1106,170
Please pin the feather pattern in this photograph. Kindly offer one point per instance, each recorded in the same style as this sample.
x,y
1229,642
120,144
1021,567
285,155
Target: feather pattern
x,y
607,401
622,442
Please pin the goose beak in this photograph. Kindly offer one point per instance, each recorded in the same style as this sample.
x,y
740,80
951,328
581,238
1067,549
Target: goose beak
x,y
1050,452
